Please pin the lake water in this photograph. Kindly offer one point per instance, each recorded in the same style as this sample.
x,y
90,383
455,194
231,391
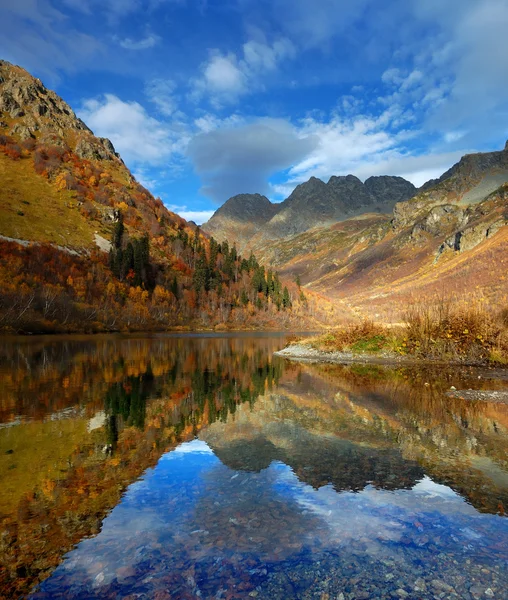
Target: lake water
x,y
200,466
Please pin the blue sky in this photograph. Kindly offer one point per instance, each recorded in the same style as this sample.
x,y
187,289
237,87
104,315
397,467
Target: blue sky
x,y
205,99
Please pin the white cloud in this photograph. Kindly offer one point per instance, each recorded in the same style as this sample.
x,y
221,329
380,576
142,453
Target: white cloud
x,y
342,145
143,44
457,80
226,77
259,56
161,93
223,76
138,137
198,216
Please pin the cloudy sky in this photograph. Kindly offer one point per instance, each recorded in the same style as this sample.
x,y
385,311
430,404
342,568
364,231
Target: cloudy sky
x,y
205,99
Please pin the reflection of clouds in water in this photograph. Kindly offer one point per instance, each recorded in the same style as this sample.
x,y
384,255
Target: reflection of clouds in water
x,y
346,514
194,447
372,514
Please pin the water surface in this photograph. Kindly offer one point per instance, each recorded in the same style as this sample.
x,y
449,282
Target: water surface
x,y
204,467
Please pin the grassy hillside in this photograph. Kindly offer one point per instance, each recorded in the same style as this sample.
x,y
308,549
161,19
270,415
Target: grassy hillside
x,y
31,207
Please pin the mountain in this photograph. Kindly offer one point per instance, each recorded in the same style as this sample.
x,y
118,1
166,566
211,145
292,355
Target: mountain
x,y
466,183
316,203
448,241
250,220
241,217
84,246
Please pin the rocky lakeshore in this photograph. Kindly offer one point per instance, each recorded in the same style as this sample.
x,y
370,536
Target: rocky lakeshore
x,y
306,353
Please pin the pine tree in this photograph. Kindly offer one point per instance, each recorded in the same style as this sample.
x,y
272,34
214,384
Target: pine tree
x,y
286,300
201,277
214,250
127,260
118,232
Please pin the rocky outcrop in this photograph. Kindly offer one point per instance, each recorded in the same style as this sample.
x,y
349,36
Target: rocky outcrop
x,y
470,237
439,220
469,181
24,97
94,149
36,111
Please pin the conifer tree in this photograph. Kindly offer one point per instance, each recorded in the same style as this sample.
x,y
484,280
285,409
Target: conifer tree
x,y
286,300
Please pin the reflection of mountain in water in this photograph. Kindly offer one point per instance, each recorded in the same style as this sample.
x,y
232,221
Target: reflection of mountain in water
x,y
319,460
353,426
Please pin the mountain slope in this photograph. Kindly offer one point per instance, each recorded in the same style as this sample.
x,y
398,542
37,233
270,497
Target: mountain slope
x,y
241,217
85,247
450,240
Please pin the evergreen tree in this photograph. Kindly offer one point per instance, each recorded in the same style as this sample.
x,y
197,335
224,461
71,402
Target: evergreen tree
x,y
200,278
225,249
269,283
214,250
138,262
127,260
286,300
118,232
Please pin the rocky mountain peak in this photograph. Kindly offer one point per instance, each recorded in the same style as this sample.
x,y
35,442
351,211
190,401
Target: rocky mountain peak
x,y
240,217
32,111
390,188
254,207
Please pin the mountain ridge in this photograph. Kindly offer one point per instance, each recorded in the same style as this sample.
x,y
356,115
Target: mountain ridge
x,y
311,204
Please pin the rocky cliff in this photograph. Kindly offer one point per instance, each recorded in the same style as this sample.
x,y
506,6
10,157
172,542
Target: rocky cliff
x,y
468,182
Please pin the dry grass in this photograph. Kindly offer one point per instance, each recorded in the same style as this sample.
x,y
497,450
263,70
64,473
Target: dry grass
x,y
440,330
366,336
446,330
33,209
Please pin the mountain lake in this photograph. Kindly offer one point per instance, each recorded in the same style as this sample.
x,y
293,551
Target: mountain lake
x,y
200,466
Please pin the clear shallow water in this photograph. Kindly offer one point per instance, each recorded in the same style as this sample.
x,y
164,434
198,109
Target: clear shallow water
x,y
252,477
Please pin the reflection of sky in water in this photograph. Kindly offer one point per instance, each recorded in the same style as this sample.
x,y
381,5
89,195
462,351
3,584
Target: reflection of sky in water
x,y
197,528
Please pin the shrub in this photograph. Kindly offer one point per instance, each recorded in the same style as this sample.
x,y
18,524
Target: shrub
x,y
448,330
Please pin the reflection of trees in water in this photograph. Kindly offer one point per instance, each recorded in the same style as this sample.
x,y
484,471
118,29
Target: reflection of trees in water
x,y
215,394
125,404
212,395
83,370
154,394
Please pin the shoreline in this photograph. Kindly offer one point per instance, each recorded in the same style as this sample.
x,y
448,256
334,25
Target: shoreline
x,y
303,353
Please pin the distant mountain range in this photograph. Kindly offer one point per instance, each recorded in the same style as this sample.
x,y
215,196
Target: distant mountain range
x,y
313,203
